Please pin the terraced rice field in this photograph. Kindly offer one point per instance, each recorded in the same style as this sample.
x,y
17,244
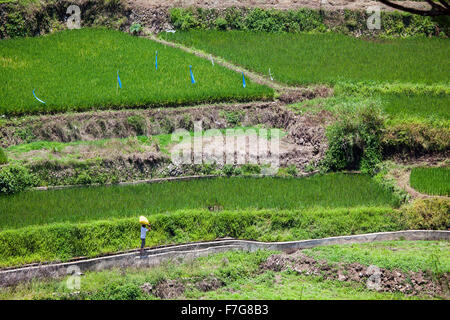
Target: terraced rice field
x,y
76,70
433,181
95,203
326,58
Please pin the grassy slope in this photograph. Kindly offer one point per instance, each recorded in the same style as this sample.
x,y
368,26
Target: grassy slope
x,y
327,58
238,274
77,70
404,255
434,181
68,240
433,108
400,108
94,203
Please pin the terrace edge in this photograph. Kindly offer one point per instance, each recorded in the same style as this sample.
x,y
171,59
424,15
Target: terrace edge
x,y
156,256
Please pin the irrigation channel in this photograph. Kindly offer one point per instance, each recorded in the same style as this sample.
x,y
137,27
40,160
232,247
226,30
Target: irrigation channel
x,y
157,255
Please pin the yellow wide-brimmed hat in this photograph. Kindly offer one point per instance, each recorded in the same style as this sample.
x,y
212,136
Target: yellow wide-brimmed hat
x,y
143,220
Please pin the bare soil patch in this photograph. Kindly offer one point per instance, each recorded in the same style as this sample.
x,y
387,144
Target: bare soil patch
x,y
304,142
167,289
409,283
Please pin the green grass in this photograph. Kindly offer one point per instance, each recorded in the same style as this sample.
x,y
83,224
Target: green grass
x,y
398,107
91,203
433,108
403,255
327,58
238,271
294,287
76,70
433,181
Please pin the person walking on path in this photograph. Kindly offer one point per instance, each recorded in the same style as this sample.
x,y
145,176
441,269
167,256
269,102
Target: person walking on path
x,y
144,229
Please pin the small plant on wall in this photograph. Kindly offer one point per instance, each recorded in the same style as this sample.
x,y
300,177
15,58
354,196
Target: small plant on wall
x,y
136,29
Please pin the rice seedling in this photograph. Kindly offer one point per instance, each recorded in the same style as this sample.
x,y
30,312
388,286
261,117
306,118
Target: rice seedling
x,y
434,181
326,58
76,70
93,203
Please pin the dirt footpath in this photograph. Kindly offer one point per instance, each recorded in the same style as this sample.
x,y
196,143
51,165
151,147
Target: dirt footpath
x,y
278,4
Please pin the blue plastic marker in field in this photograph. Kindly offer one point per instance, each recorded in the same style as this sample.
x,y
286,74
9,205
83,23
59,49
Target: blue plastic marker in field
x,y
192,75
243,80
37,97
118,80
156,60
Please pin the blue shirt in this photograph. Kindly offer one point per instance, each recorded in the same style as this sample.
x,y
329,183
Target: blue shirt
x,y
143,232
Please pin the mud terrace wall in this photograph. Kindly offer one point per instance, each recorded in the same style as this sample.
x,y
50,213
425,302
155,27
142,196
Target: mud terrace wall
x,y
38,18
280,4
185,252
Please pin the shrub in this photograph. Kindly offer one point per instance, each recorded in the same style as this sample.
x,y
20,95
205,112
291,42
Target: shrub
x,y
354,141
220,24
3,156
234,18
228,170
136,28
249,168
292,170
183,19
15,178
429,214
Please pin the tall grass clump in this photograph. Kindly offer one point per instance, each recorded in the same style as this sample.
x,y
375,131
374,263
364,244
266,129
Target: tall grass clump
x,y
76,70
236,193
429,214
354,140
3,156
433,181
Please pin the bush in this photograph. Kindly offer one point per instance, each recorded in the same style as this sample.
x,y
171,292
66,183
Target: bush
x,y
183,19
221,24
228,170
429,214
3,156
136,28
354,140
15,178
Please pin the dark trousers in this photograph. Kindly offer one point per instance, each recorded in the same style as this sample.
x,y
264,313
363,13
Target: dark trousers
x,y
142,243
